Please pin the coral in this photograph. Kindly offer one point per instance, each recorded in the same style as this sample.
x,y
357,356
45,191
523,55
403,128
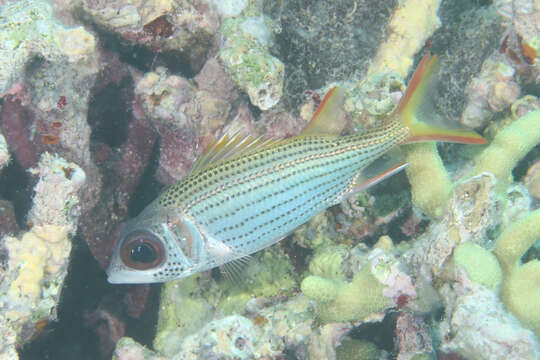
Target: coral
x,y
233,337
344,301
520,292
188,304
430,182
319,231
4,153
492,90
471,212
532,180
375,96
28,28
414,337
509,146
477,327
373,288
246,56
37,260
481,265
411,25
271,330
323,344
186,117
56,201
268,274
351,349
128,349
185,29
183,311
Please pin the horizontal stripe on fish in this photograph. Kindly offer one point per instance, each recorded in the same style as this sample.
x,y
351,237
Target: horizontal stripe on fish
x,y
243,194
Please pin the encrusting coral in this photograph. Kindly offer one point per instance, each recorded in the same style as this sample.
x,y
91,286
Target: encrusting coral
x,y
37,260
4,153
245,54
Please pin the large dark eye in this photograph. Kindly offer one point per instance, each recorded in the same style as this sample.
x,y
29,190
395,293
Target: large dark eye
x,y
142,251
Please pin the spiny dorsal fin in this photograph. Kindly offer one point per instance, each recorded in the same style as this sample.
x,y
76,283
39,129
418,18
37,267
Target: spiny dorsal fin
x,y
230,145
330,118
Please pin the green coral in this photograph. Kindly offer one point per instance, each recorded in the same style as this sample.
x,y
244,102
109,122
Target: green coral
x,y
352,349
329,261
340,300
182,312
481,265
252,67
269,273
430,182
508,147
520,291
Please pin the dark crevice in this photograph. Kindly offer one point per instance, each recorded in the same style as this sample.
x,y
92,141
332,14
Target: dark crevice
x,y
379,333
109,113
85,291
16,186
148,188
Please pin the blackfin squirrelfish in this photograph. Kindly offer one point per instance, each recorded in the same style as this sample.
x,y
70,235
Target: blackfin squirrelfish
x,y
245,194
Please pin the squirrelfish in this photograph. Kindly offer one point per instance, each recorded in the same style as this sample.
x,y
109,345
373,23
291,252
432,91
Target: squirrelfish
x,y
244,194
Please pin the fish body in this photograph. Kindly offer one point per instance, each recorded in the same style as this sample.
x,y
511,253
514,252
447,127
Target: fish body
x,y
247,194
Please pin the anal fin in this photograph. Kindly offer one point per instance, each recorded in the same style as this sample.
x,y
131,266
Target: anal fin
x,y
382,168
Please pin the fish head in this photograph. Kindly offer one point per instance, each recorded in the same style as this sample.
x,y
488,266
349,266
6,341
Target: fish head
x,y
154,247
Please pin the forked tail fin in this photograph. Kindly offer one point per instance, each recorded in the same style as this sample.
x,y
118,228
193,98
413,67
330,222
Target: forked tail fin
x,y
417,110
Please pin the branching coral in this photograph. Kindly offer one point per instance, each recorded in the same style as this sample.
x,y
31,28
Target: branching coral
x,y
521,284
509,146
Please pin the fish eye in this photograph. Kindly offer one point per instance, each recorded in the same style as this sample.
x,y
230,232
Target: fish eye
x,y
142,251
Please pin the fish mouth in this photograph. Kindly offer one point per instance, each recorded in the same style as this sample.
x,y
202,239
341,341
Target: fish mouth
x,y
115,276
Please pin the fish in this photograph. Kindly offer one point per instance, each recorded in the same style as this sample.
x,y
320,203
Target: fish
x,y
244,194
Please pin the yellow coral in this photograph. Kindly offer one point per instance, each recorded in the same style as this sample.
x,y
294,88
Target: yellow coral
x,y
481,265
508,147
343,301
520,291
40,251
430,183
411,25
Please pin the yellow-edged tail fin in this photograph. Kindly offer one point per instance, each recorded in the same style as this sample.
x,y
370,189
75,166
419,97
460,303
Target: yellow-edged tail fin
x,y
418,112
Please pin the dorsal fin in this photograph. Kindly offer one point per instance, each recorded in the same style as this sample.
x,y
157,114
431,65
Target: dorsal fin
x,y
230,145
329,119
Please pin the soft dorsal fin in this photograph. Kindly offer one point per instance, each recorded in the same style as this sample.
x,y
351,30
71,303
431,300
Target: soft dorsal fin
x,y
230,145
330,117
